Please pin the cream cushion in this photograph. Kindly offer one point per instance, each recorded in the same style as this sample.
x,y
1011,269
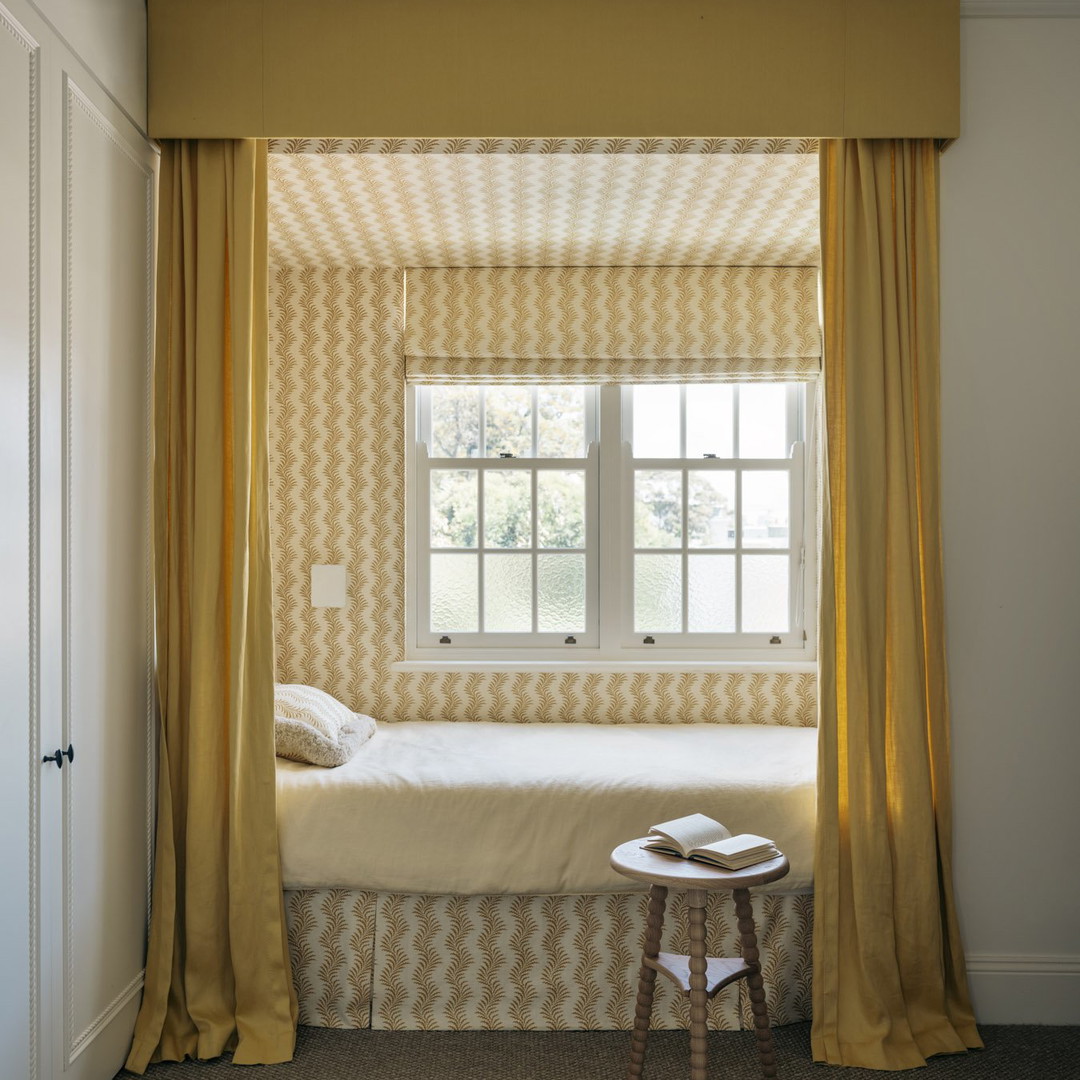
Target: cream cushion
x,y
312,727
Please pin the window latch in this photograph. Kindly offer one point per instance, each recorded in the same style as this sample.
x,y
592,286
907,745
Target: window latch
x,y
505,454
774,640
708,455
649,640
570,640
444,640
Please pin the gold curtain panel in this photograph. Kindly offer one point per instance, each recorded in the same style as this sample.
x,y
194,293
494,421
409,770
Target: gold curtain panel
x,y
217,969
468,68
889,983
610,324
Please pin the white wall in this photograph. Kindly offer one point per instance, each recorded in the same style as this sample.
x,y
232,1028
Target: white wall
x,y
1011,474
109,36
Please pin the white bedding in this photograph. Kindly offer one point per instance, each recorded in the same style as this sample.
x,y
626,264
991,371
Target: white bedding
x,y
481,808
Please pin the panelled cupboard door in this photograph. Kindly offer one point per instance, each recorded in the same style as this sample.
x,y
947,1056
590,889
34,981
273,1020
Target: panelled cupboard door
x,y
19,363
77,184
107,640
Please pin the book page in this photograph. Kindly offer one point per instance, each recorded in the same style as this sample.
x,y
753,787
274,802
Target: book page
x,y
735,846
691,831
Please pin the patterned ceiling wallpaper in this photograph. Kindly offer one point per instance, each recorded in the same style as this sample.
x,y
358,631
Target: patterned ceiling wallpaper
x,y
401,203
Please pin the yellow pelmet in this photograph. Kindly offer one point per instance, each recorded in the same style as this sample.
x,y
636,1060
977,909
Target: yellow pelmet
x,y
889,982
217,973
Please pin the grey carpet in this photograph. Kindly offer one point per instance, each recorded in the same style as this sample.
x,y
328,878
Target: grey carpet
x,y
1022,1052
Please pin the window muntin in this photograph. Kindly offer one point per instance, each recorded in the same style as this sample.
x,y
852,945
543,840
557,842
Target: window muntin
x,y
716,512
505,515
677,530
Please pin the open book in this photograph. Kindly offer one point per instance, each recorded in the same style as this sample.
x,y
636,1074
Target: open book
x,y
699,837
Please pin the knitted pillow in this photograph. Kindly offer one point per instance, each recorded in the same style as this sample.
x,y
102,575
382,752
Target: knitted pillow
x,y
313,727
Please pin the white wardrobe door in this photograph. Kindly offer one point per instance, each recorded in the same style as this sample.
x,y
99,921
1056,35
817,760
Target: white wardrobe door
x,y
107,702
20,766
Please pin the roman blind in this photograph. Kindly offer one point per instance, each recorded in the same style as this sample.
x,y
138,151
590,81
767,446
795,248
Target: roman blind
x,y
611,324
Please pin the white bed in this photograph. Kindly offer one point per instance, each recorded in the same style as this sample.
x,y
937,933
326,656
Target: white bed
x,y
483,809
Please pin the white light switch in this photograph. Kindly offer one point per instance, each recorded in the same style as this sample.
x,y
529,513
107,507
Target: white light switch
x,y
328,585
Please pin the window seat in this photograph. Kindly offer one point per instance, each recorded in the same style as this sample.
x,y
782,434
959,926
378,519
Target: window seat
x,y
482,808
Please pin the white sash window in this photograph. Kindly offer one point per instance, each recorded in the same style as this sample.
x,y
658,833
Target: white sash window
x,y
665,522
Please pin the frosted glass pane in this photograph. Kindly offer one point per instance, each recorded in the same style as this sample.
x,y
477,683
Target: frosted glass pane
x,y
507,508
656,421
508,593
710,594
560,507
453,508
657,508
508,421
711,509
560,593
455,421
560,423
763,420
658,593
710,427
766,509
454,593
765,593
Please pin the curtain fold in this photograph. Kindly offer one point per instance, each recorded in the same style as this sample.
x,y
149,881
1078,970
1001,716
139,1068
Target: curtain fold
x,y
890,985
217,973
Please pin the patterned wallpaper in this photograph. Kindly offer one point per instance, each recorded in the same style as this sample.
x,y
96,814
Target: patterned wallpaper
x,y
397,204
337,490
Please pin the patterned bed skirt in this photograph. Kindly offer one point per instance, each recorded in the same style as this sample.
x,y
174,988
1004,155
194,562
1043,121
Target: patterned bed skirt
x,y
406,962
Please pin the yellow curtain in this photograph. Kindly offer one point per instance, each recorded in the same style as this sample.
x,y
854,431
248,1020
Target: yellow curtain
x,y
217,972
890,988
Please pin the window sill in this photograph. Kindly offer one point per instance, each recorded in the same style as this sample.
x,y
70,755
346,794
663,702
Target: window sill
x,y
586,667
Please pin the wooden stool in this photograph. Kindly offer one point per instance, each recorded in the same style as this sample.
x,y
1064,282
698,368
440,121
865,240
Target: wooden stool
x,y
697,975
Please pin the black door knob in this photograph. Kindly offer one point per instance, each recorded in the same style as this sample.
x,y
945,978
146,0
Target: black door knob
x,y
59,756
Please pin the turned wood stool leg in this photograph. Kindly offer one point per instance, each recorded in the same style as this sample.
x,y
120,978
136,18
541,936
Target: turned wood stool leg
x,y
654,925
754,983
699,1030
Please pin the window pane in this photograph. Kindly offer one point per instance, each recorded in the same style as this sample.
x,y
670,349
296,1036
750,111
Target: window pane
x,y
560,588
763,420
765,509
709,421
508,593
560,507
765,593
507,508
560,425
658,593
657,508
656,421
711,594
455,421
453,508
711,509
454,593
508,421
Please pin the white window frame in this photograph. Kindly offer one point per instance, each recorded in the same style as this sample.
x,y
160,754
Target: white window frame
x,y
609,640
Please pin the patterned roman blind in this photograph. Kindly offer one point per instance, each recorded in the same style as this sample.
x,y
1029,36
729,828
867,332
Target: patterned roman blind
x,y
611,324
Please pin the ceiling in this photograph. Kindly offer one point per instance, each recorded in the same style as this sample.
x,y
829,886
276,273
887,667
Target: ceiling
x,y
398,203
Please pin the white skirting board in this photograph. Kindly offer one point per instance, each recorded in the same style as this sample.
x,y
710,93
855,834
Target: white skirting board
x,y
1025,989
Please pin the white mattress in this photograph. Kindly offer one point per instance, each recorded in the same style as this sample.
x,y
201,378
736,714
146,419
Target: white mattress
x,y
481,808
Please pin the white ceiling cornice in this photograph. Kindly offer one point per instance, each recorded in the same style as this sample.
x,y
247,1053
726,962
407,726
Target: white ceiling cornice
x,y
1020,9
